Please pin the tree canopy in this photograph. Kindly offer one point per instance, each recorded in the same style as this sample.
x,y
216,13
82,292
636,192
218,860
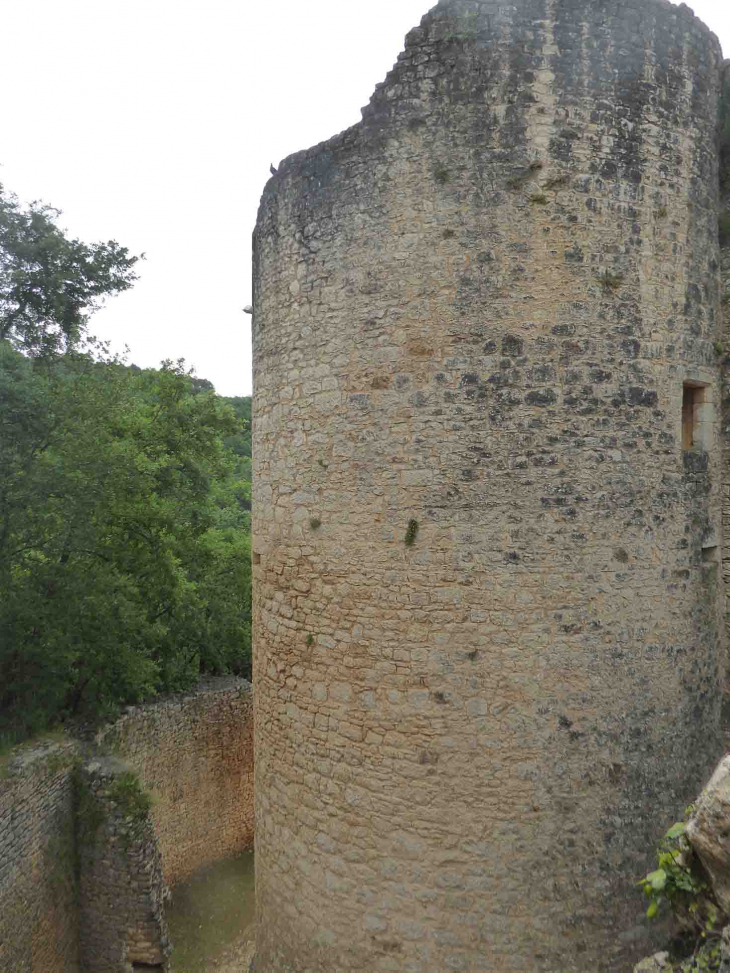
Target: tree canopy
x,y
50,284
124,549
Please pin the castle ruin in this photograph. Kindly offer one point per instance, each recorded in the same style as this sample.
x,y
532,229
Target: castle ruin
x,y
487,521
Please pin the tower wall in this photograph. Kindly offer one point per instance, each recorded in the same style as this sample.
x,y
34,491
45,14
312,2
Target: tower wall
x,y
476,310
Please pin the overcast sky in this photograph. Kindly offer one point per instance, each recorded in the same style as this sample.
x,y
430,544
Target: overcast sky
x,y
153,122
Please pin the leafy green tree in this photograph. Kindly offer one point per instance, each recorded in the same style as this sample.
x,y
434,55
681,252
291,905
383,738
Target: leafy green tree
x,y
50,284
240,442
124,555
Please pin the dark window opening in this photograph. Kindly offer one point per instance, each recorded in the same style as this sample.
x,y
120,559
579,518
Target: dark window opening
x,y
693,396
256,558
710,554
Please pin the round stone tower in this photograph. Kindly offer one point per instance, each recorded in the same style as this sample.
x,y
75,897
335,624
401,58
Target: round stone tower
x,y
487,601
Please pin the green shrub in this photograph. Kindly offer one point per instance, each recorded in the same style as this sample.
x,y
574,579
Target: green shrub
x,y
411,533
611,281
680,883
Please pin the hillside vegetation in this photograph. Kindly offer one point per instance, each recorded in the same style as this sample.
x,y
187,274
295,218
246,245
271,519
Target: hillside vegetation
x,y
124,498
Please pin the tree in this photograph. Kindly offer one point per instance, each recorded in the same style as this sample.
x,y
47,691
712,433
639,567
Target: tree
x,y
50,284
124,563
240,442
124,551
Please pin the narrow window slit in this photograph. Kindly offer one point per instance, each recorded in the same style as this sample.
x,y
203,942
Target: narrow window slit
x,y
693,396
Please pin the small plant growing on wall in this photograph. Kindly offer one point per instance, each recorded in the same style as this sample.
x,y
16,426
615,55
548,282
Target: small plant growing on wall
x,y
310,640
411,533
554,182
465,31
521,177
126,791
315,523
679,883
538,199
611,281
442,175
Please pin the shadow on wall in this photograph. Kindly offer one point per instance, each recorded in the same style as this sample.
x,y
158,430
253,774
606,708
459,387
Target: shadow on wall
x,y
93,836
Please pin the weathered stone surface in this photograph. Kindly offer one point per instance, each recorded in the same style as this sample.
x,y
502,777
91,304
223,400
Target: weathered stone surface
x,y
39,927
709,831
725,951
477,310
658,963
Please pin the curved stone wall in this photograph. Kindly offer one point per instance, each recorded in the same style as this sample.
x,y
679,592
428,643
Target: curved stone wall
x,y
194,754
80,886
476,311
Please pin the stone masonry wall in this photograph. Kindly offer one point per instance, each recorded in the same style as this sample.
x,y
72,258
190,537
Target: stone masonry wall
x,y
39,928
194,753
121,888
476,311
69,848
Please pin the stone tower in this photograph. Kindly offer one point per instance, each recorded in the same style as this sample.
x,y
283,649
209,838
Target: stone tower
x,y
487,495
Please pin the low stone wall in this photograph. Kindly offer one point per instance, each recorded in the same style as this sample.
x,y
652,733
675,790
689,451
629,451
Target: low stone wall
x,y
82,877
121,889
194,753
39,927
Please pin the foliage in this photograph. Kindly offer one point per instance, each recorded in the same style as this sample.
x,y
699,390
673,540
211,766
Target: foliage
x,y
50,284
124,553
611,281
679,883
411,533
239,442
441,174
88,813
133,802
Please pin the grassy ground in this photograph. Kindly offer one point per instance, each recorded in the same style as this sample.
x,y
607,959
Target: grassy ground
x,y
211,919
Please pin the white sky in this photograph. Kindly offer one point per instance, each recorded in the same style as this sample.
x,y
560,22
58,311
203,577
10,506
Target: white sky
x,y
153,122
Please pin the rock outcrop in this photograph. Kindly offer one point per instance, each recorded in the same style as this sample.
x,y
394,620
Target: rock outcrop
x,y
708,832
708,835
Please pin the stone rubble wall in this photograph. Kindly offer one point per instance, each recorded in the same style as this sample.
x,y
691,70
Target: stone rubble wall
x,y
61,860
39,927
477,310
121,888
194,753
